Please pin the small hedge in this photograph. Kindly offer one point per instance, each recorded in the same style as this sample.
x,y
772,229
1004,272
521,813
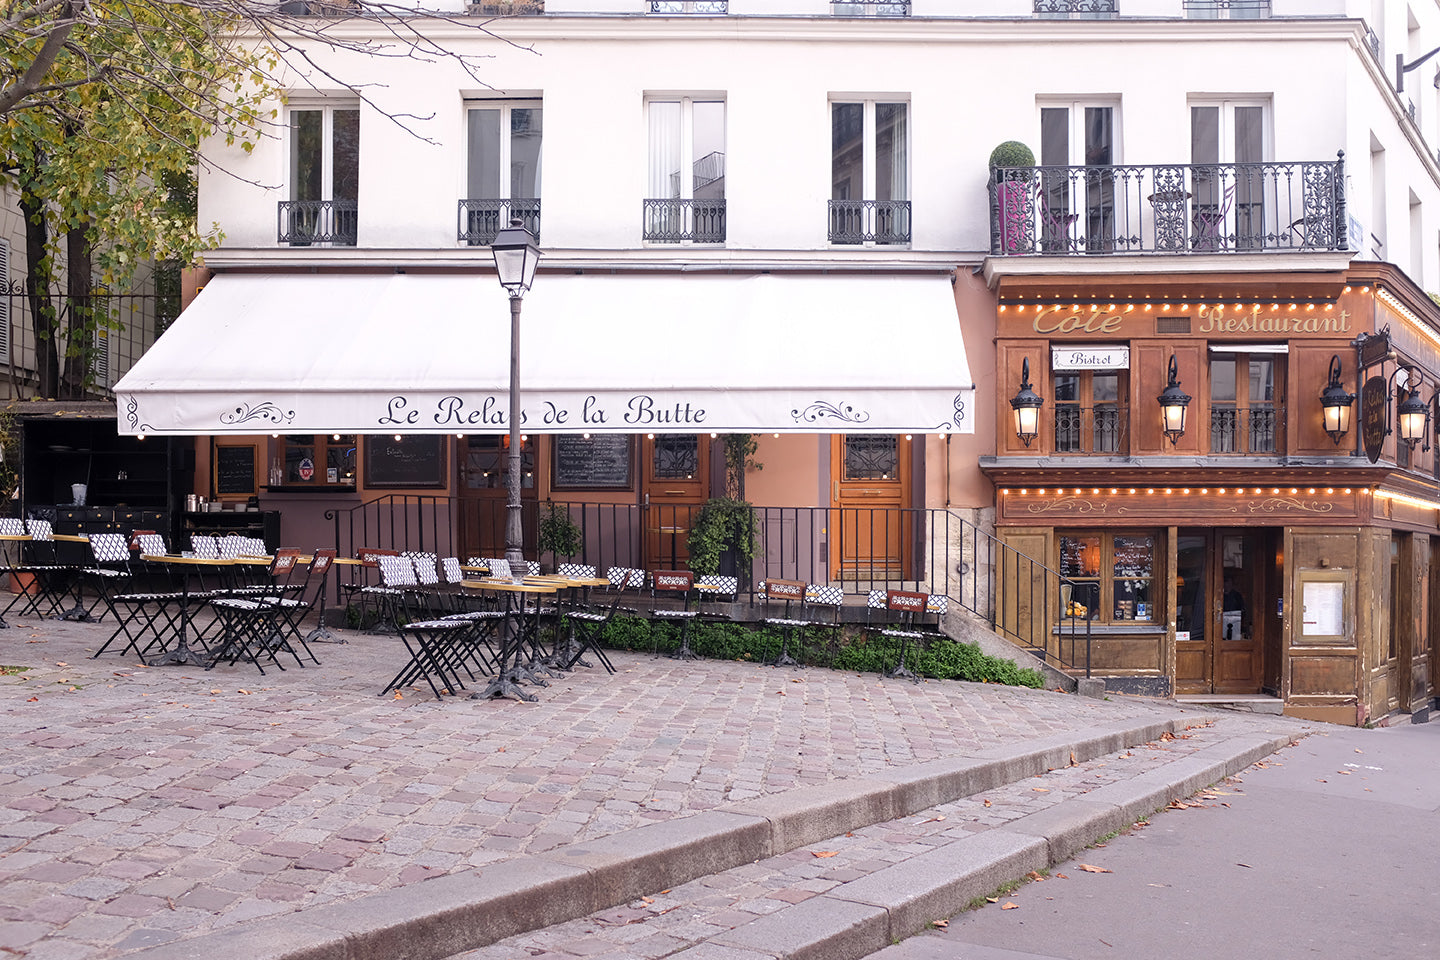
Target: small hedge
x,y
939,659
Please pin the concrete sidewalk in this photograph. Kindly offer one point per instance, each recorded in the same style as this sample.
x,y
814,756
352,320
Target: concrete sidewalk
x,y
296,815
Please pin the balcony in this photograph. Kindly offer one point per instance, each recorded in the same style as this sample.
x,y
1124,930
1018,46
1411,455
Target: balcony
x,y
685,221
869,8
1227,9
713,8
1100,429
480,220
305,223
1237,429
870,221
1076,9
1174,209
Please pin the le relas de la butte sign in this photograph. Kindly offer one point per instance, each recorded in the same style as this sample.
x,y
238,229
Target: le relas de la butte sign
x,y
1134,320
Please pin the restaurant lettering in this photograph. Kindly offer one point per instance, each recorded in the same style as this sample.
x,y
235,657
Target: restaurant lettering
x,y
1217,321
640,410
1048,320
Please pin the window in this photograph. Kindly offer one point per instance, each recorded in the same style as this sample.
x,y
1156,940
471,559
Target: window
x,y
1112,576
869,172
502,177
1078,203
324,177
1228,146
487,462
1227,9
1075,9
1243,388
1090,412
871,456
318,459
686,200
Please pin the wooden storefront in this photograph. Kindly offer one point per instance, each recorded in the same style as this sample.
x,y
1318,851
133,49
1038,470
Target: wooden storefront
x,y
1254,555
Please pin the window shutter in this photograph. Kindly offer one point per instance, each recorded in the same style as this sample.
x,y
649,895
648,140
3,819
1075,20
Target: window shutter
x,y
100,359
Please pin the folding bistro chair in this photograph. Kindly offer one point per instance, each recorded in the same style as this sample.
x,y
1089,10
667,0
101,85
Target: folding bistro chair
x,y
50,581
320,563
910,605
681,584
263,620
713,589
109,572
790,619
587,626
823,604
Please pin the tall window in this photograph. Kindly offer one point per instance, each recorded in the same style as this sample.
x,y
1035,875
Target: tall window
x,y
686,198
1077,205
502,169
1243,404
324,176
1090,415
1227,9
1112,576
1227,148
869,172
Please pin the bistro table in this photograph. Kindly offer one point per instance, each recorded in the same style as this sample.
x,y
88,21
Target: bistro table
x,y
182,568
5,540
509,670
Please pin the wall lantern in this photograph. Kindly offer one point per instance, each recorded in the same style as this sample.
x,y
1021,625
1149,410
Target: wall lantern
x,y
1336,404
1414,416
1173,403
1026,405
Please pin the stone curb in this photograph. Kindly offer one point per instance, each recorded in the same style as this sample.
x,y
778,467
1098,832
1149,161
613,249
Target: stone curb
x,y
865,915
447,915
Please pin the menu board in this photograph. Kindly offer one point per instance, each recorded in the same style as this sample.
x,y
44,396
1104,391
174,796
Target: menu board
x,y
416,461
235,470
600,461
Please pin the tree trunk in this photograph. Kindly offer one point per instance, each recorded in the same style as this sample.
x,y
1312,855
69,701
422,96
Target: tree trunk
x,y
38,279
82,320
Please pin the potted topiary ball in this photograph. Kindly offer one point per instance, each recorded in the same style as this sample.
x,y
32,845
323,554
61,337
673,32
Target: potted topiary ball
x,y
1011,171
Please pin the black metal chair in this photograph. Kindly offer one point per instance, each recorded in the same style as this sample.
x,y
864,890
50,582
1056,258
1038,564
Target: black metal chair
x,y
789,619
680,584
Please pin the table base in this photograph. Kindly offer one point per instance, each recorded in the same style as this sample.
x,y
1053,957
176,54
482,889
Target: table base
x,y
503,687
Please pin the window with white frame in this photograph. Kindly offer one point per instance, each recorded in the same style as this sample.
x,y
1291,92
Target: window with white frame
x,y
324,175
1229,143
502,168
1077,201
685,198
869,172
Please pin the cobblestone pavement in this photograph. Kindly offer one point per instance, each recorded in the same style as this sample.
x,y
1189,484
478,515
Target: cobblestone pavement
x,y
142,804
694,912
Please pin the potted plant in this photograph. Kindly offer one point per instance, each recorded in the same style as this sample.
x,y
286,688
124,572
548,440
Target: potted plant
x,y
1011,170
559,534
722,537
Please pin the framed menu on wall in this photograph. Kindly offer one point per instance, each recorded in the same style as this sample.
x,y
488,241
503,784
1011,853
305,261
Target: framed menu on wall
x,y
598,462
417,461
235,470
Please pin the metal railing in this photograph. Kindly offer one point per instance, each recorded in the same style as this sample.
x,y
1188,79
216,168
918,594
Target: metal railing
x,y
1075,9
870,221
1100,429
869,8
933,550
1237,429
677,221
306,222
1231,9
711,7
480,220
1196,208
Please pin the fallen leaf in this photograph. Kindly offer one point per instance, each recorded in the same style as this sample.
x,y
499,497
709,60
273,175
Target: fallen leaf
x,y
939,924
824,853
1245,865
246,692
647,899
32,700
933,819
1090,869
1039,790
61,663
215,690
398,695
1072,758
1012,905
987,803
1032,875
1061,876
992,899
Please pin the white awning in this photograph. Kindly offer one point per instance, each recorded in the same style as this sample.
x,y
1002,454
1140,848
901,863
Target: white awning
x,y
676,353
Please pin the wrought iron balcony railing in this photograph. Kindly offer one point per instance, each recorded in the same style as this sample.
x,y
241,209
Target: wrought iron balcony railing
x,y
480,220
1075,9
870,221
307,222
1199,208
1100,429
869,8
678,221
1236,429
711,7
1232,9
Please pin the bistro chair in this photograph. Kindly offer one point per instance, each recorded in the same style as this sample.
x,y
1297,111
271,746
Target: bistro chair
x,y
823,606
588,626
911,608
789,618
680,584
713,589
109,570
49,581
364,575
205,545
264,620
320,563
432,646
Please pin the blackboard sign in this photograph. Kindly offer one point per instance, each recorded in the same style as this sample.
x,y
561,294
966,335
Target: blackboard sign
x,y
235,470
1374,416
408,462
601,461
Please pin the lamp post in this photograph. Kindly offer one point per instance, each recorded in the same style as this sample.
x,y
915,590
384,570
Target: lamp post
x,y
516,257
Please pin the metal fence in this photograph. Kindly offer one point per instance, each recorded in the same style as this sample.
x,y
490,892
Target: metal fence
x,y
933,550
306,222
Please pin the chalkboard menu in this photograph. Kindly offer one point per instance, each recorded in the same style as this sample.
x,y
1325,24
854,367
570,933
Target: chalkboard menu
x,y
235,470
600,461
407,462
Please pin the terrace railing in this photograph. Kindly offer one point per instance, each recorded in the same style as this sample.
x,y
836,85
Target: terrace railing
x,y
1174,209
933,550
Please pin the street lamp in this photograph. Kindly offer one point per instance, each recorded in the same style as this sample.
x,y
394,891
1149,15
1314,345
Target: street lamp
x,y
1026,405
1173,402
1336,404
516,257
1414,416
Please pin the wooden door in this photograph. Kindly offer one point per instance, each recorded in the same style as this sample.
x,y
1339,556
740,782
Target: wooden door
x,y
869,494
484,467
1223,586
675,472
